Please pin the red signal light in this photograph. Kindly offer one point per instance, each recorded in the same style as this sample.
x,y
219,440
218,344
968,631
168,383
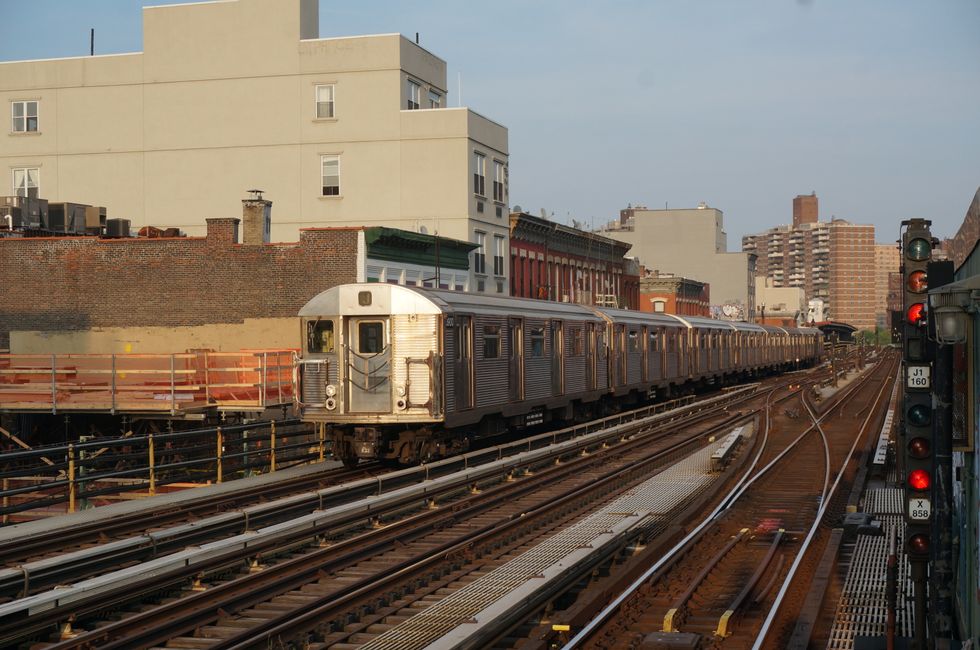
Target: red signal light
x,y
917,281
919,479
916,315
919,544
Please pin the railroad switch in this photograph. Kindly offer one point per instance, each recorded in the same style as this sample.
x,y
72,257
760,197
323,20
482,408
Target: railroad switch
x,y
196,584
66,632
430,504
474,488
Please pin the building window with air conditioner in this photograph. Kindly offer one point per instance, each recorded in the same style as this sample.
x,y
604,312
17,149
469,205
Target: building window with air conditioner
x,y
23,116
325,101
330,172
435,99
26,181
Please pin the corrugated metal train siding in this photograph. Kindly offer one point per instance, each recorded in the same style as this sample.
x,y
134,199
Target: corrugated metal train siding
x,y
449,370
490,374
413,337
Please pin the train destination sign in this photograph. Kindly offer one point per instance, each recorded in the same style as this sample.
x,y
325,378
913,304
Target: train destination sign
x,y
919,509
917,377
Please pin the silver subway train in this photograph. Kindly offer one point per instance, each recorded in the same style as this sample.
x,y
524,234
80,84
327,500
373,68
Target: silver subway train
x,y
408,374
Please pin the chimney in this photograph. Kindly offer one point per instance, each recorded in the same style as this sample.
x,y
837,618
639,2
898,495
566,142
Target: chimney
x,y
257,219
222,231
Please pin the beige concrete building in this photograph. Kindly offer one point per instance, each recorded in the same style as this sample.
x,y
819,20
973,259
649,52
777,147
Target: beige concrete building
x,y
692,243
233,95
779,305
887,261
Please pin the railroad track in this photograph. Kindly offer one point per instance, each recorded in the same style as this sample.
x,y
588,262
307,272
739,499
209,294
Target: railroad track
x,y
739,578
447,534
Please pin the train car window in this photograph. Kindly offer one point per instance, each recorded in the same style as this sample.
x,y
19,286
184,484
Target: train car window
x,y
578,342
654,341
491,341
600,344
537,341
370,337
634,341
319,336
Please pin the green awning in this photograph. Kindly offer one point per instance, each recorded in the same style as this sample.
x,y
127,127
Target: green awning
x,y
408,247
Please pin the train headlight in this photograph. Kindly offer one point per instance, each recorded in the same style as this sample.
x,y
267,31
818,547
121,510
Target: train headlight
x,y
400,389
330,390
401,404
331,404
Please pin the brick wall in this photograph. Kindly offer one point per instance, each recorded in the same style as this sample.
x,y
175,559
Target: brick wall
x,y
75,283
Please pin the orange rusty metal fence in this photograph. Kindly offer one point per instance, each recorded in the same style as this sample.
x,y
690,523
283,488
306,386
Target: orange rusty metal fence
x,y
141,383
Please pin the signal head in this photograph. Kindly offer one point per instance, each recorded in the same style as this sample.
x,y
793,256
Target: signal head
x,y
919,415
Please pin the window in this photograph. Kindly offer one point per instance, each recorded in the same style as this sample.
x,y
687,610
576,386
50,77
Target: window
x,y
537,341
414,95
435,99
480,254
331,175
654,341
23,117
324,101
319,335
578,342
491,341
370,337
659,305
498,181
498,255
479,173
633,341
26,182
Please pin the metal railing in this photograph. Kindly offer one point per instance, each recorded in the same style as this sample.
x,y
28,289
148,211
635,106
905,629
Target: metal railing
x,y
73,474
145,382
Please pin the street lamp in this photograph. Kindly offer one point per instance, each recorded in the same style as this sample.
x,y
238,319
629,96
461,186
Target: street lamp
x,y
952,306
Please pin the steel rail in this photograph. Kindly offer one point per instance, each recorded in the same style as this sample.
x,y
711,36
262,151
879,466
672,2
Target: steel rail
x,y
734,494
192,561
781,595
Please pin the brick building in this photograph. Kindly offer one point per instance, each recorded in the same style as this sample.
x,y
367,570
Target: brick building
x,y
552,261
833,261
81,284
673,294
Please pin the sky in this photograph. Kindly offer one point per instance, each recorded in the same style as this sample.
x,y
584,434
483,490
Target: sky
x,y
872,104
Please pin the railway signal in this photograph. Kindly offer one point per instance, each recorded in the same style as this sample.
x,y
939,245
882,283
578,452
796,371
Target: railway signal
x,y
918,444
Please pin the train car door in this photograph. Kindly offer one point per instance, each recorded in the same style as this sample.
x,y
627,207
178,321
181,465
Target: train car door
x,y
464,362
557,358
590,356
622,355
369,365
515,374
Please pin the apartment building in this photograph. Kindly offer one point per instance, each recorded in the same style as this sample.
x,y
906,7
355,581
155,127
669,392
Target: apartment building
x,y
887,261
691,243
236,95
833,261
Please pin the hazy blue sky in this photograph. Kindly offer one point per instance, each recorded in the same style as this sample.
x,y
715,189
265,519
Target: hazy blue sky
x,y
743,104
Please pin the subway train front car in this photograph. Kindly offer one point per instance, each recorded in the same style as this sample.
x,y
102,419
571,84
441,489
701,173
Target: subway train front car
x,y
371,371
